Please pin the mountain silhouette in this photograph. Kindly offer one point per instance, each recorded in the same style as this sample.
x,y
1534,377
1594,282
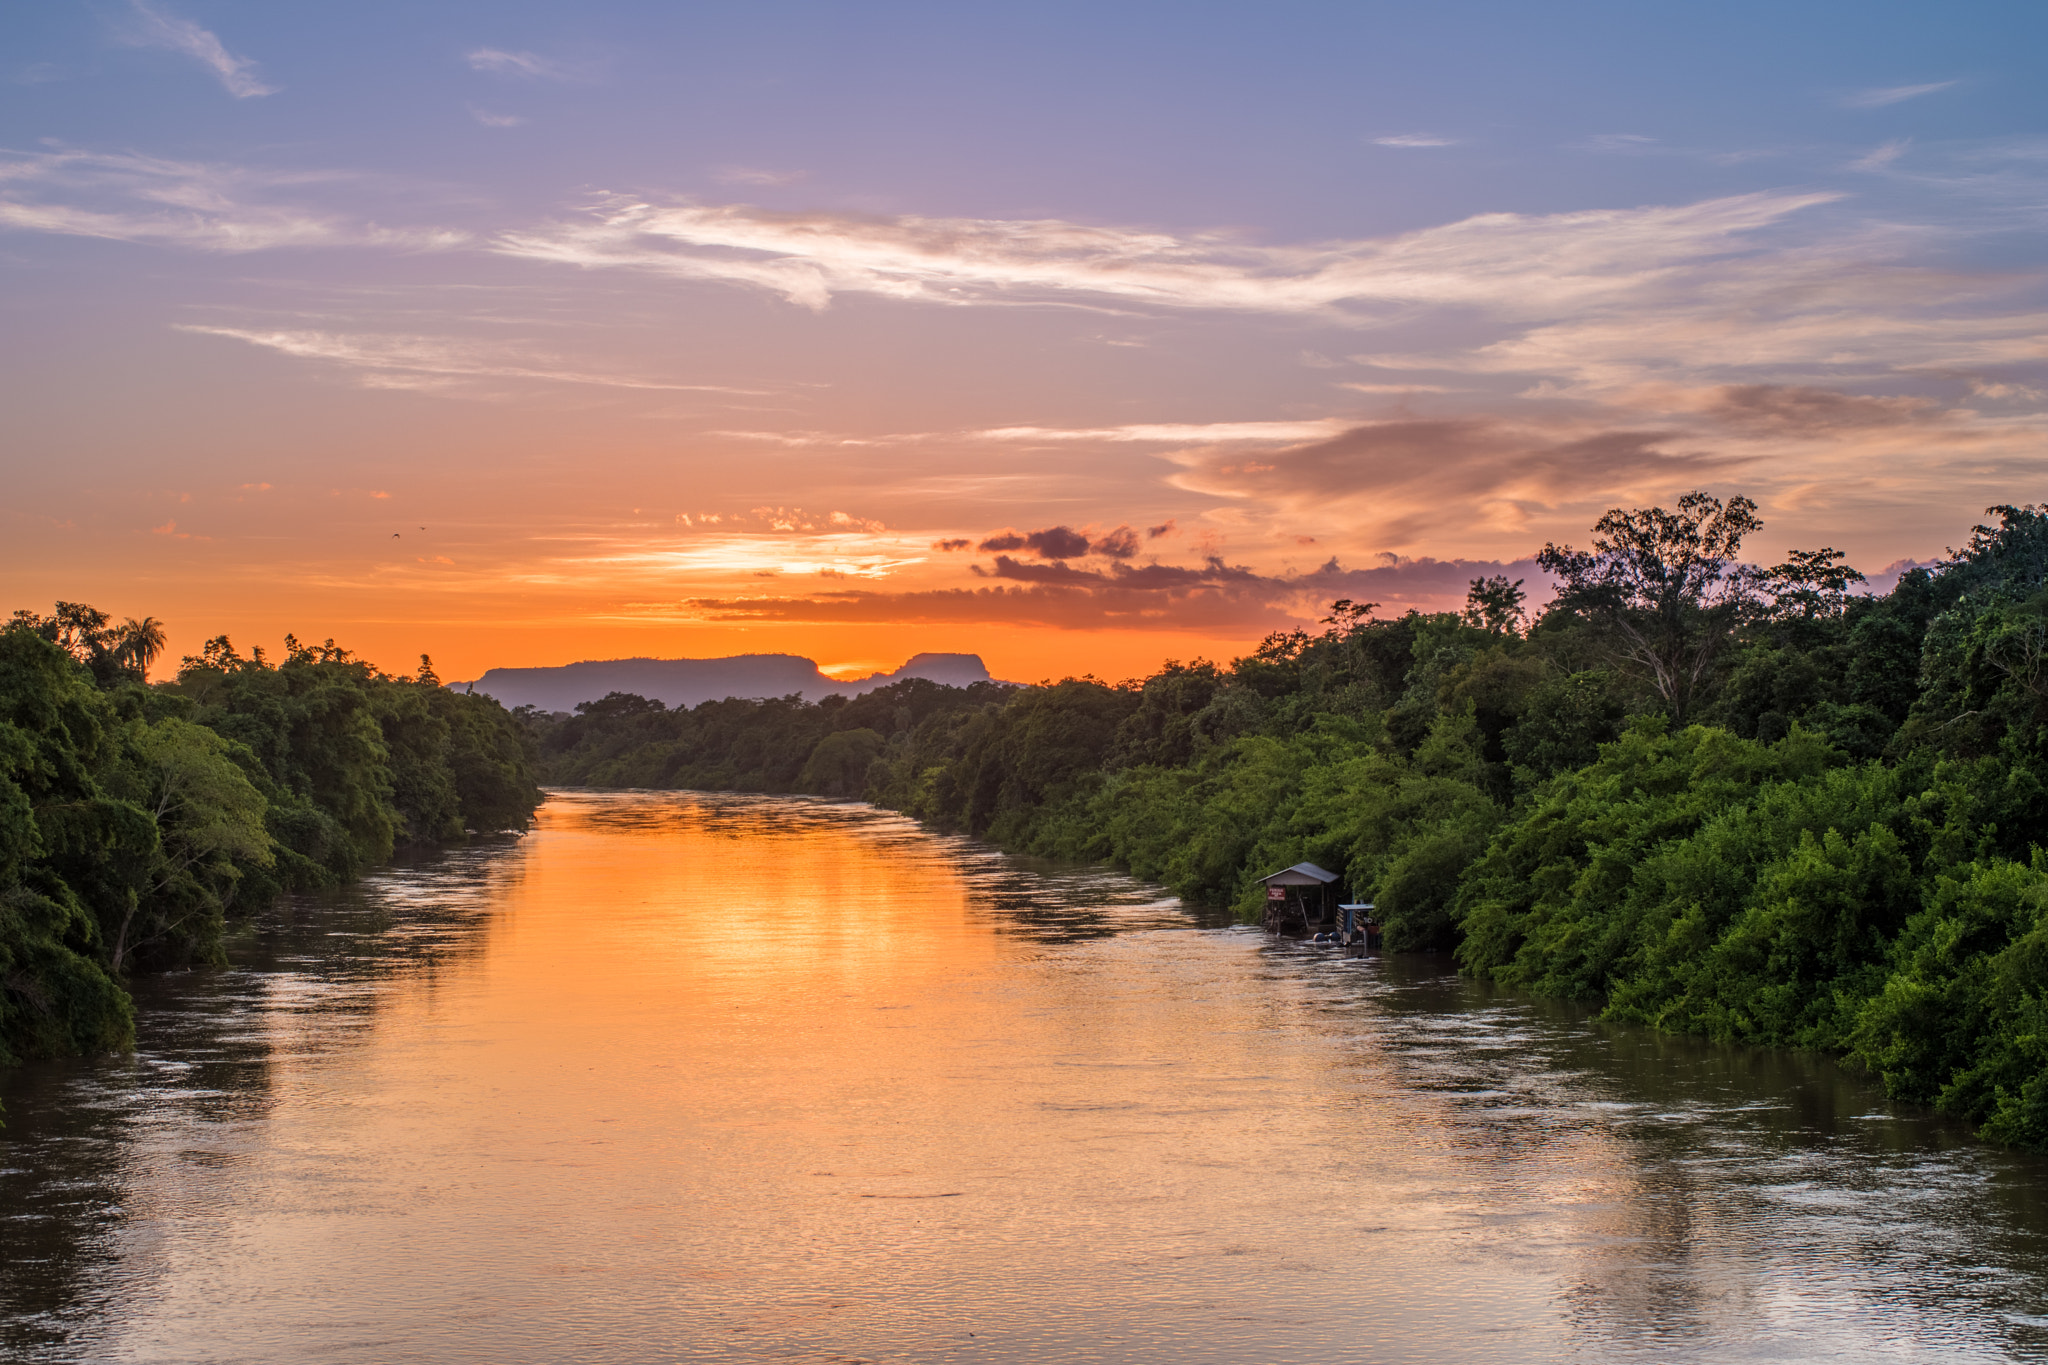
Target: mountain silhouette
x,y
687,682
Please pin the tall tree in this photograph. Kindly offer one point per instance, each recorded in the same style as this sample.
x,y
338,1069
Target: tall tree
x,y
139,643
1495,605
1668,585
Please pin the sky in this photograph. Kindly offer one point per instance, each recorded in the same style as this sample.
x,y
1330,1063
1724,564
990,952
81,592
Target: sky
x,y
1079,336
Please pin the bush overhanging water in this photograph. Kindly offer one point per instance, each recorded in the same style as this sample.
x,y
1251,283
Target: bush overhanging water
x,y
135,821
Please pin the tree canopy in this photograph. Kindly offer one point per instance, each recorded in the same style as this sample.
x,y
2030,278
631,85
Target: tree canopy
x,y
137,820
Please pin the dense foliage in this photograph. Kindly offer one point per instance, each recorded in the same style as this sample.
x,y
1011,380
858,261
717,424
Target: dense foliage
x,y
1743,801
136,820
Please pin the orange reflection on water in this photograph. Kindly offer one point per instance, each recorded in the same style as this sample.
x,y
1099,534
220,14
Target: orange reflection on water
x,y
692,1077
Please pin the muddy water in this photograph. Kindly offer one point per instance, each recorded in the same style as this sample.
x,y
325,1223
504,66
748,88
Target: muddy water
x,y
682,1077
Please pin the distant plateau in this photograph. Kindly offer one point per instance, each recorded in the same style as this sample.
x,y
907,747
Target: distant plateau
x,y
688,682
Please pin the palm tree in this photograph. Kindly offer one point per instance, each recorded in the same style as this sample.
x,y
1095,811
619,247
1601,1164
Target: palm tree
x,y
139,643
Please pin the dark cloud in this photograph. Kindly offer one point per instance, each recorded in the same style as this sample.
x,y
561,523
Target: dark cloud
x,y
949,546
1173,578
1138,578
1213,596
1058,543
1424,474
1464,457
1795,410
1007,567
1121,543
1054,542
1164,528
1060,606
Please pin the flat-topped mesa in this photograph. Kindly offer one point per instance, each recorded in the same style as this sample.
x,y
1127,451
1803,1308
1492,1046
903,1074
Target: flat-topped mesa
x,y
687,682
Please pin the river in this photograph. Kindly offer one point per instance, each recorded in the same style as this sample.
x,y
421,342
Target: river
x,y
682,1077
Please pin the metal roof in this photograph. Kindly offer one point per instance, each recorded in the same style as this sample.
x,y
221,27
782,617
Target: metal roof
x,y
1301,874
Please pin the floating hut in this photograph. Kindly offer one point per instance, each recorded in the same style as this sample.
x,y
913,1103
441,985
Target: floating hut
x,y
1301,899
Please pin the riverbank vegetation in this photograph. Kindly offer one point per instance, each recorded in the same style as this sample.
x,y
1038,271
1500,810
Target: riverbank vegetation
x,y
137,821
1752,802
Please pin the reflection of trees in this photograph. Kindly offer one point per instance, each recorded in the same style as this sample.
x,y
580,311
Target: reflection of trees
x,y
1688,1194
1047,902
97,1152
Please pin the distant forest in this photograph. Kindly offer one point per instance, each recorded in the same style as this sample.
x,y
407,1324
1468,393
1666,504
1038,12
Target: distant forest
x,y
1751,802
136,821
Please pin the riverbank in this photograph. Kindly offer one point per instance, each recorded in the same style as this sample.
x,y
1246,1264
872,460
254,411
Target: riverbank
x,y
138,821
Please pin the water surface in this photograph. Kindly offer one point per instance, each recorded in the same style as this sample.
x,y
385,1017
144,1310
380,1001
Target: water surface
x,y
682,1077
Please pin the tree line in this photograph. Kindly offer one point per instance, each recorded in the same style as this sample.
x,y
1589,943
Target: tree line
x,y
138,821
1751,802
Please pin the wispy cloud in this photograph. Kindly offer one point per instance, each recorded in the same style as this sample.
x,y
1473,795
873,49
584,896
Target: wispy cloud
x,y
202,206
1880,96
1170,433
1822,311
491,120
1880,157
1411,479
827,553
1619,142
1640,347
1525,264
386,361
1138,433
528,64
1999,391
152,25
754,175
1416,140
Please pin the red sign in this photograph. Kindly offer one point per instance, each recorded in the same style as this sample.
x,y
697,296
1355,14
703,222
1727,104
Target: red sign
x,y
1276,893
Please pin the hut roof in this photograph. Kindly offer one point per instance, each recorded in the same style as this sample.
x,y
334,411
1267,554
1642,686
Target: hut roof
x,y
1301,874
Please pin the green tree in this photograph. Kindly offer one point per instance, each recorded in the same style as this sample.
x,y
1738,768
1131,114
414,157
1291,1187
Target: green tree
x,y
1494,605
1668,586
210,825
139,643
68,855
839,765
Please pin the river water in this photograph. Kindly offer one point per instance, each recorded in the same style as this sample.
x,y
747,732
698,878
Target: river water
x,y
680,1077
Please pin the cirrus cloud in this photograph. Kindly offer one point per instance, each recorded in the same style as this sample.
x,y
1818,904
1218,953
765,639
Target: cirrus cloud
x,y
1880,96
416,362
1415,140
154,26
527,64
1518,264
200,206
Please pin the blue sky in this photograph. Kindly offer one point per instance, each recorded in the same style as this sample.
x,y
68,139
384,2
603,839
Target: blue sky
x,y
694,328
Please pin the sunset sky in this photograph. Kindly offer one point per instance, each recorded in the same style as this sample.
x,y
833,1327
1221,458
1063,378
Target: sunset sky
x,y
1075,335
